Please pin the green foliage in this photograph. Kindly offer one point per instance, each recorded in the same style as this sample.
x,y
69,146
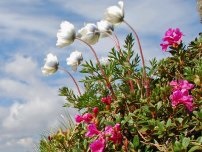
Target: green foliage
x,y
148,122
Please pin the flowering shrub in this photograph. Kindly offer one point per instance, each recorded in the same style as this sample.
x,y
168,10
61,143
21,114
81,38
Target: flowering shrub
x,y
127,106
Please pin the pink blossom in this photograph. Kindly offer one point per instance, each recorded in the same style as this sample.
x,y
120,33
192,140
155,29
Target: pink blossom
x,y
108,130
107,100
97,145
182,97
87,117
78,118
113,133
95,111
181,84
172,37
92,130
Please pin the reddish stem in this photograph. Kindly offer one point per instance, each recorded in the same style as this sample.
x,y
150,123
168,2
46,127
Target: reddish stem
x,y
145,82
101,69
72,79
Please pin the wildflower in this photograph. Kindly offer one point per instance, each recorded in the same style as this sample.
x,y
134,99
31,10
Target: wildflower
x,y
87,117
66,34
78,118
114,133
89,33
74,60
51,64
95,111
98,145
181,84
105,28
115,14
107,100
104,61
182,97
92,130
173,37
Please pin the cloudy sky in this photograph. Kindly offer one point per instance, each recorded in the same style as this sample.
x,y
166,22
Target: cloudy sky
x,y
29,102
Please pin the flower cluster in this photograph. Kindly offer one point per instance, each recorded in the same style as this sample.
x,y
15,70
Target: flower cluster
x,y
87,118
107,100
110,133
91,32
172,38
180,94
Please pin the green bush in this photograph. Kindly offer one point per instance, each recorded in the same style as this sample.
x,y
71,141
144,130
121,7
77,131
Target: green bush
x,y
128,106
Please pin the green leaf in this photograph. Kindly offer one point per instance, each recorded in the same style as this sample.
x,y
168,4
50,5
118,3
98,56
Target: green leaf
x,y
194,148
185,142
199,139
136,141
177,146
180,120
168,124
200,114
159,104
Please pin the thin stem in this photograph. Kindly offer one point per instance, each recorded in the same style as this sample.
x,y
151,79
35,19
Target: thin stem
x,y
101,69
139,44
145,81
115,40
129,73
72,79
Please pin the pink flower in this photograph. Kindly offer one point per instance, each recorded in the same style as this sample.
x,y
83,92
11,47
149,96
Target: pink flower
x,y
181,84
108,130
87,117
97,145
107,100
95,111
78,118
173,37
182,97
114,133
92,130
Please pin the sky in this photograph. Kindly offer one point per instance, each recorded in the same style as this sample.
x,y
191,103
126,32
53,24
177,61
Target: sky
x,y
29,102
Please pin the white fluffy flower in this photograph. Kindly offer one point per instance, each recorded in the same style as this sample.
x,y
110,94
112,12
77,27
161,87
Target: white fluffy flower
x,y
89,33
104,60
51,64
66,34
74,59
105,27
115,14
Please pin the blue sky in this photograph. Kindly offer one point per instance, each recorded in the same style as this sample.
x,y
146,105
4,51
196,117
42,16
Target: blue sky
x,y
29,102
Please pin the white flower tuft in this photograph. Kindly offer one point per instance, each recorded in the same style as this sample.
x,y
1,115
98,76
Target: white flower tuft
x,y
115,14
51,64
74,59
66,34
89,33
105,27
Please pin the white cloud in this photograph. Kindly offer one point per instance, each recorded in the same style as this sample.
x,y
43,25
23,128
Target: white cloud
x,y
22,67
26,142
36,106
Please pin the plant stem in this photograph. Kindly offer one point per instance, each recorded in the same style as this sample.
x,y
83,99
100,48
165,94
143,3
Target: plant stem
x,y
101,69
145,82
114,39
129,73
72,79
118,43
